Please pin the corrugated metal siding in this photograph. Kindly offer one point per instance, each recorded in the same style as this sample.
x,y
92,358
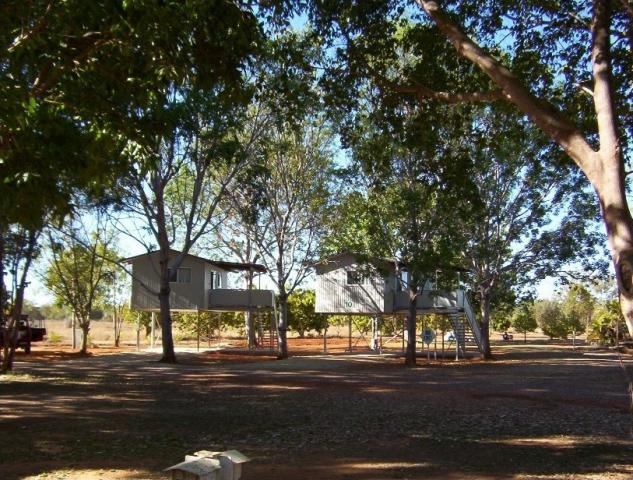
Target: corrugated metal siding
x,y
183,296
333,295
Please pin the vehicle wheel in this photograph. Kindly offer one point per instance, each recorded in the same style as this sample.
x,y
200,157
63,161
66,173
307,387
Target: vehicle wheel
x,y
27,348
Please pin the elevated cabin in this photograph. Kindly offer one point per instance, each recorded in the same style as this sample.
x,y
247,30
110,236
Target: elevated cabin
x,y
198,284
345,285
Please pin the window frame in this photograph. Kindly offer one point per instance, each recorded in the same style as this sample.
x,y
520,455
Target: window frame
x,y
177,277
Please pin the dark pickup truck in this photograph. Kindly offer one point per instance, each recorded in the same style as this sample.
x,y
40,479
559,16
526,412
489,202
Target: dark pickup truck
x,y
26,333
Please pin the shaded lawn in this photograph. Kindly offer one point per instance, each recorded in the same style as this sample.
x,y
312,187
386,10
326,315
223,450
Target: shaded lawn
x,y
535,413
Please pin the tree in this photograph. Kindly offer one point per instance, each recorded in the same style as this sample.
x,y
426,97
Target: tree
x,y
115,299
80,267
607,323
18,249
516,235
408,170
551,319
578,305
541,67
289,223
174,187
301,315
523,319
75,78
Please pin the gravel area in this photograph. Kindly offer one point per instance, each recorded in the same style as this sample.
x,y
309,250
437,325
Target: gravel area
x,y
538,411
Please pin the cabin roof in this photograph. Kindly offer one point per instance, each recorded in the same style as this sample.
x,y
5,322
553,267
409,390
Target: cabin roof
x,y
376,261
229,266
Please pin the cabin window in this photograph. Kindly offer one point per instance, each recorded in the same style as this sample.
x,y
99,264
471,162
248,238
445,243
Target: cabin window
x,y
215,280
355,277
181,275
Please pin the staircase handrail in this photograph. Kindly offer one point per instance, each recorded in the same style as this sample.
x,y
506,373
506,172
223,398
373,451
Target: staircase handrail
x,y
464,303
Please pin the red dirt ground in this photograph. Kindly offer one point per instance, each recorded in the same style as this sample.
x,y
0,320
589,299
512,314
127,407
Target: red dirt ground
x,y
539,411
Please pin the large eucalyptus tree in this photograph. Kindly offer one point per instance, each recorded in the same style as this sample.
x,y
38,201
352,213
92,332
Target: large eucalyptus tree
x,y
567,66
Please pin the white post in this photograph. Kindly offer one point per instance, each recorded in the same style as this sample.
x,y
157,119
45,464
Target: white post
x,y
456,345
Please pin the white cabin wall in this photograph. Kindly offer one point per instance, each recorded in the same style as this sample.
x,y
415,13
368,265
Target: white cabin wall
x,y
333,295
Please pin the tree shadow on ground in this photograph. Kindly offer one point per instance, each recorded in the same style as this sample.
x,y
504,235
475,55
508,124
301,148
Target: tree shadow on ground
x,y
320,417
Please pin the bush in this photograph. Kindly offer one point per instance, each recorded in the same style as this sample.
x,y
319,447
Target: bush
x,y
551,319
54,337
603,326
523,319
301,315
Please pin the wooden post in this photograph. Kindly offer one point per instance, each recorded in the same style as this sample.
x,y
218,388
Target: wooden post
x,y
380,333
404,332
198,329
72,326
349,318
153,330
325,339
443,335
138,331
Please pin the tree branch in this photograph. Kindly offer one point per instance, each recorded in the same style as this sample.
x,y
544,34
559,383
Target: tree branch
x,y
542,113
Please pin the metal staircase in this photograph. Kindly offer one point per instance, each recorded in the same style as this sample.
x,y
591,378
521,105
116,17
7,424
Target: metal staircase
x,y
464,305
266,329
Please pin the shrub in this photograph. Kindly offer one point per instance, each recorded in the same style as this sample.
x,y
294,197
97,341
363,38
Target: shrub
x,y
54,337
551,319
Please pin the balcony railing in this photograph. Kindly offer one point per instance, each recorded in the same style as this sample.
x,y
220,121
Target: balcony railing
x,y
230,299
427,300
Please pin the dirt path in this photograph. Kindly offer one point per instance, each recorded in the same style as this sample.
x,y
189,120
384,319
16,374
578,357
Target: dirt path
x,y
537,412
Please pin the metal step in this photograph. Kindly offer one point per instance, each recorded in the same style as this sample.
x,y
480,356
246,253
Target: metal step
x,y
464,304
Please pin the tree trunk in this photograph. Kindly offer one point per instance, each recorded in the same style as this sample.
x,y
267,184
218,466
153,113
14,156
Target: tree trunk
x,y
604,168
484,297
10,337
117,329
619,225
249,327
169,355
85,328
410,353
283,325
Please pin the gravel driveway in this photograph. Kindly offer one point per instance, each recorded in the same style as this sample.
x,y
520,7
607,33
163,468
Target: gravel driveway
x,y
536,412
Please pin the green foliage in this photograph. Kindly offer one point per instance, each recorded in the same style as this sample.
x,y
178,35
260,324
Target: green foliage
x,y
551,319
578,306
54,337
607,320
360,324
206,324
80,269
501,318
523,319
438,322
33,311
75,75
301,315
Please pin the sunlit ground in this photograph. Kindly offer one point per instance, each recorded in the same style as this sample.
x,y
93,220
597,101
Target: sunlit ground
x,y
537,412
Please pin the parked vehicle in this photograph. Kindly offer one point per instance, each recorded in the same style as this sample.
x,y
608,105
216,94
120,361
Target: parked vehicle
x,y
26,333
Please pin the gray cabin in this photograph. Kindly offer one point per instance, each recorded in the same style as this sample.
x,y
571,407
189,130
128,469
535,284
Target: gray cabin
x,y
198,284
346,285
